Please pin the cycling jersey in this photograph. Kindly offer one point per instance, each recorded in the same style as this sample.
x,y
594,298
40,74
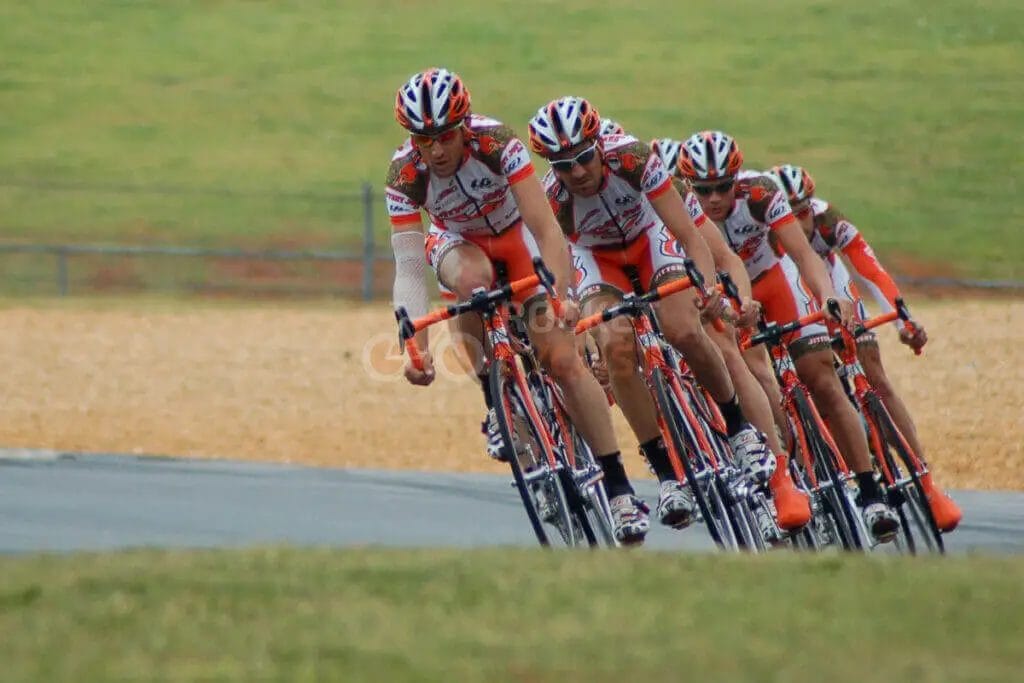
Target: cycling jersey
x,y
620,211
760,208
617,228
834,233
476,199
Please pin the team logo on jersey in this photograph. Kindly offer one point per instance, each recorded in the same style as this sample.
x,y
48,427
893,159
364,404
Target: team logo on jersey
x,y
399,203
778,209
670,246
481,183
488,144
625,200
748,249
407,174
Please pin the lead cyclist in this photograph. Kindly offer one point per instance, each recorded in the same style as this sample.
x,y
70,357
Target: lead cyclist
x,y
474,180
833,236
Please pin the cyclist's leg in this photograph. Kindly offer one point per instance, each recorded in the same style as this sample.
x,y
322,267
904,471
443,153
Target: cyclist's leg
x,y
601,284
760,366
680,323
557,351
785,298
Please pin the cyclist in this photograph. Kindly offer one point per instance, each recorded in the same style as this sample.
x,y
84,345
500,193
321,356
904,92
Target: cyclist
x,y
792,506
832,235
474,179
616,201
754,216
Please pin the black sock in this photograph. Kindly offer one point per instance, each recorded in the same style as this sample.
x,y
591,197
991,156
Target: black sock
x,y
656,454
485,385
616,483
733,414
869,491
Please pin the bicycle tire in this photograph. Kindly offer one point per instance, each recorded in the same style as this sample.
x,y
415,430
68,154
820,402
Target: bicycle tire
x,y
672,417
913,495
837,503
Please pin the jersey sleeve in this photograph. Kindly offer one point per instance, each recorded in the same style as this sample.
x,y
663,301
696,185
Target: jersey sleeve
x,y
768,203
640,167
404,191
693,206
515,161
845,237
561,203
503,152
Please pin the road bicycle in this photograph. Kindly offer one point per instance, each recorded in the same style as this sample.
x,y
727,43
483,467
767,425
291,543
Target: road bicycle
x,y
554,470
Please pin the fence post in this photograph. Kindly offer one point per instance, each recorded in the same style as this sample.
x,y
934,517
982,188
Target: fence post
x,y
62,272
369,249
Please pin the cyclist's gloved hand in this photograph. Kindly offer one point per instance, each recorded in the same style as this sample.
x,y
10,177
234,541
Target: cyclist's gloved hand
x,y
847,313
420,377
570,312
915,338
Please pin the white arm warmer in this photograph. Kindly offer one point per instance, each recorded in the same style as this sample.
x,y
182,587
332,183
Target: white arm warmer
x,y
410,289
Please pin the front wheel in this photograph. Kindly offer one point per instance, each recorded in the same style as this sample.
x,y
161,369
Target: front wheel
x,y
683,447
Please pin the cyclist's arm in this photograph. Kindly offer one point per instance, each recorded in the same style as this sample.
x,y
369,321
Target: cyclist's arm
x,y
725,258
812,267
536,212
863,261
407,243
670,208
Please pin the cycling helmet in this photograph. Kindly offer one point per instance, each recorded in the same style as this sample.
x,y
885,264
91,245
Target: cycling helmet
x,y
708,155
796,182
667,150
562,124
431,101
611,127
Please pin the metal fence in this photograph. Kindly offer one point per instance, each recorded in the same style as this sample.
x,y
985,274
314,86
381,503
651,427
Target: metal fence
x,y
75,269
360,270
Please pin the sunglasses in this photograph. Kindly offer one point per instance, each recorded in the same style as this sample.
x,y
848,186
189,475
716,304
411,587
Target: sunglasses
x,y
427,141
720,188
584,157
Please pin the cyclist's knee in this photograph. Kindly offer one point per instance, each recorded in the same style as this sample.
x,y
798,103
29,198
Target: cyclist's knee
x,y
619,352
560,359
686,337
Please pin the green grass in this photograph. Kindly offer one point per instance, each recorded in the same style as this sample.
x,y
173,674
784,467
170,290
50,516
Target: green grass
x,y
501,615
909,113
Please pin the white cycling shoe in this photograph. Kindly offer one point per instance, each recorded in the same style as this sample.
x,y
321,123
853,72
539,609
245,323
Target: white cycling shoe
x,y
753,456
630,520
676,505
881,521
495,444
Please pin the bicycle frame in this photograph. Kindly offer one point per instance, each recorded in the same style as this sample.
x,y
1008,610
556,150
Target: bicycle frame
x,y
845,344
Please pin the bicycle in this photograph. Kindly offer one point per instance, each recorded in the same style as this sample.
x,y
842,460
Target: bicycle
x,y
816,463
553,469
900,478
692,428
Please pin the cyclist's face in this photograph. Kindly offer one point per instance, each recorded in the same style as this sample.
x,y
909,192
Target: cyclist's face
x,y
716,196
584,176
804,215
442,153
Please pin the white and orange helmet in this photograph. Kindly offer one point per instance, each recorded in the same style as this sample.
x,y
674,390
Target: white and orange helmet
x,y
667,150
611,127
795,181
708,155
562,124
431,101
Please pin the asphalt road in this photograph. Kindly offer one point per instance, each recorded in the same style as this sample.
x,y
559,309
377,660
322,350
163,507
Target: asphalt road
x,y
64,502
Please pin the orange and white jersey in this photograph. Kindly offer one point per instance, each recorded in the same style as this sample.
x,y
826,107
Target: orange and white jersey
x,y
620,211
759,209
477,199
693,206
833,234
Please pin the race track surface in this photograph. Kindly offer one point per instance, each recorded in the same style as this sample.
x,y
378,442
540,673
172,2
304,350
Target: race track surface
x,y
63,502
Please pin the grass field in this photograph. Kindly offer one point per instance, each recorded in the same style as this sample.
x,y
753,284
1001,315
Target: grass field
x,y
502,615
909,113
